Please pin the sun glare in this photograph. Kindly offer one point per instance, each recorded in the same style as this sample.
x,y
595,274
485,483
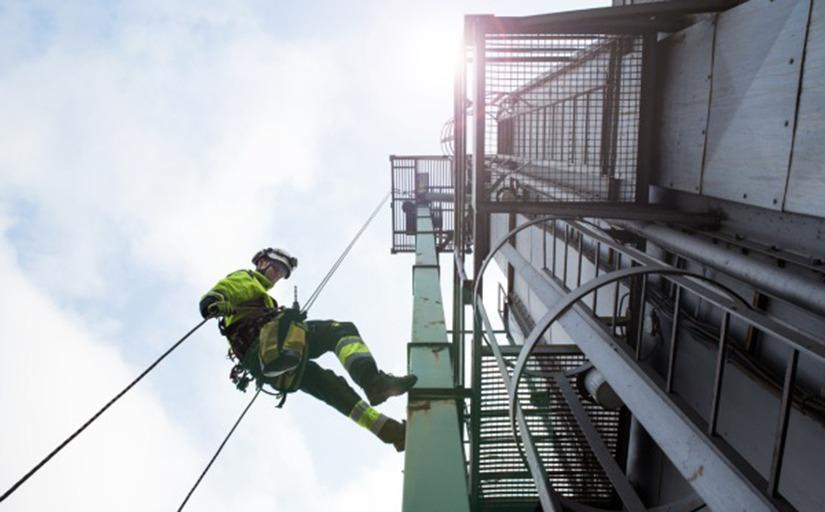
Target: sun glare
x,y
432,52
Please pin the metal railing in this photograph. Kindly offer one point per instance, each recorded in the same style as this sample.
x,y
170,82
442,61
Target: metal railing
x,y
421,179
618,272
561,114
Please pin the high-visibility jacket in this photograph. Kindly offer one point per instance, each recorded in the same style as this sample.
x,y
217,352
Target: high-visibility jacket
x,y
246,291
243,289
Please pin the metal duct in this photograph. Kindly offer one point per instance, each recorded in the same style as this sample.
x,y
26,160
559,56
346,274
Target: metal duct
x,y
794,288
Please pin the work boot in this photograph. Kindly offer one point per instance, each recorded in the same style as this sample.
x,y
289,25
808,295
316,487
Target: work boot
x,y
384,385
394,433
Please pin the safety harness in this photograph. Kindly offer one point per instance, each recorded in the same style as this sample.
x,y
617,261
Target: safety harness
x,y
244,340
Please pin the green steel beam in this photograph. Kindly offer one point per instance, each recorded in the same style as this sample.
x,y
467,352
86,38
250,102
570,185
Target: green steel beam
x,y
434,470
428,310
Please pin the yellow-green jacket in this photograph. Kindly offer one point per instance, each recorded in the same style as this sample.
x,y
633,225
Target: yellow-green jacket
x,y
246,290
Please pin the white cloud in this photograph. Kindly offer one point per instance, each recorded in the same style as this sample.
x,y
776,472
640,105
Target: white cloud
x,y
140,455
147,149
172,138
161,148
52,376
382,483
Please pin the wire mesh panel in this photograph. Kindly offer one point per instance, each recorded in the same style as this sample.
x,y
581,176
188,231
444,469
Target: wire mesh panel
x,y
421,180
572,469
562,116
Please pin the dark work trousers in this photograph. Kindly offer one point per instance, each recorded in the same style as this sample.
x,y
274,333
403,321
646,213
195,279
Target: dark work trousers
x,y
323,336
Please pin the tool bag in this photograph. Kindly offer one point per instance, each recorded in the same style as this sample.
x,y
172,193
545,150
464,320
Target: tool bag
x,y
286,331
262,339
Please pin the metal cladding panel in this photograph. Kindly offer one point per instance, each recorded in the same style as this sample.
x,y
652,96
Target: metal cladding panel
x,y
498,228
806,185
756,69
686,69
521,288
524,241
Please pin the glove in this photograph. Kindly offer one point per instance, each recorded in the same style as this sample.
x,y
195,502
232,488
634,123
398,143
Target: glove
x,y
220,308
208,300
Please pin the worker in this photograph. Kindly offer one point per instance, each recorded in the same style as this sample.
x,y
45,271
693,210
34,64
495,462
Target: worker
x,y
275,346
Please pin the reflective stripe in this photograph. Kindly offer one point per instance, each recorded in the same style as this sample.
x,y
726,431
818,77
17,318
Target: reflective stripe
x,y
356,357
367,417
346,340
351,348
358,411
378,422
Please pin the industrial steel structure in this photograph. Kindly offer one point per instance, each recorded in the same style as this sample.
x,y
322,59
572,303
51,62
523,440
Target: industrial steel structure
x,y
651,181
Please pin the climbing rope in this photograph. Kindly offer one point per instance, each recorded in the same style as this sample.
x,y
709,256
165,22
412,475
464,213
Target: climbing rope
x,y
225,439
306,307
91,420
343,255
117,397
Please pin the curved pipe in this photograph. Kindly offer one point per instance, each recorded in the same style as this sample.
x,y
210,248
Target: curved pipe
x,y
548,499
500,244
576,295
553,500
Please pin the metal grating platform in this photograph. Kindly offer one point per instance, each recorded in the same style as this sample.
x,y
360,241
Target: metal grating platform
x,y
421,179
572,468
562,116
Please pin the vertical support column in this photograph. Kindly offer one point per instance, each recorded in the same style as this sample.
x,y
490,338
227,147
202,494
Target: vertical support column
x,y
511,274
434,468
647,119
610,111
481,224
459,180
475,27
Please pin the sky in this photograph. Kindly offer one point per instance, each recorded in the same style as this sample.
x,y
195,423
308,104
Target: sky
x,y
149,148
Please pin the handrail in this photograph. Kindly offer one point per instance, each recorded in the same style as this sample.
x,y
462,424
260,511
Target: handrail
x,y
548,499
713,292
799,339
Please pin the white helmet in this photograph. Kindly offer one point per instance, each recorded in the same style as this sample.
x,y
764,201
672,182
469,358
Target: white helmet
x,y
279,255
